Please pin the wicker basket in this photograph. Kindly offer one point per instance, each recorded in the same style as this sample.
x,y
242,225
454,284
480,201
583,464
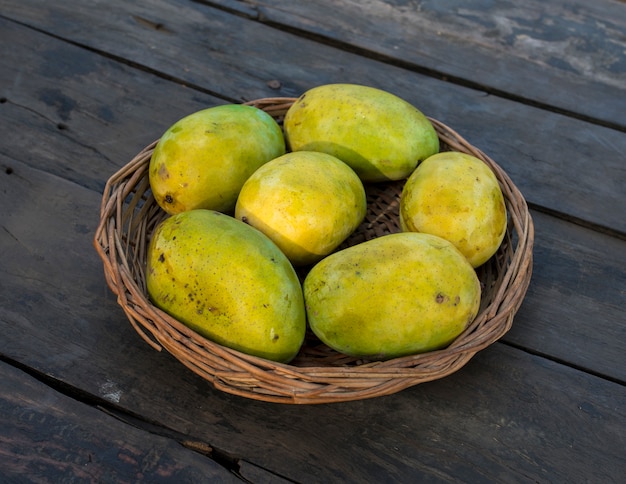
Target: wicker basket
x,y
129,214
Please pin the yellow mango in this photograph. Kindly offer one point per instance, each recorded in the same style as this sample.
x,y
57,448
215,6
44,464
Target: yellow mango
x,y
381,136
307,202
203,159
395,295
456,196
228,282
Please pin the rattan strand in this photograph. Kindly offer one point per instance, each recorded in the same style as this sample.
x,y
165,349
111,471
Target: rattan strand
x,y
129,214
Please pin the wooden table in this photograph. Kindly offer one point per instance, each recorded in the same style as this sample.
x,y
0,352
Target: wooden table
x,y
84,86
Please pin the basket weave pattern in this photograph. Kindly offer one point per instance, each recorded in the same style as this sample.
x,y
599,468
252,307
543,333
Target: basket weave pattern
x,y
129,214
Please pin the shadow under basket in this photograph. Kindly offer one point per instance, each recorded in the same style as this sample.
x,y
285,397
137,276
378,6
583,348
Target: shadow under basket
x,y
129,214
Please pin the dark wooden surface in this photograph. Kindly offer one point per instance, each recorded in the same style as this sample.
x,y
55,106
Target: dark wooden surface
x,y
84,86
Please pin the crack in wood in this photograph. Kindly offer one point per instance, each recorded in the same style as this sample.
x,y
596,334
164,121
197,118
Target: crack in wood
x,y
160,26
223,458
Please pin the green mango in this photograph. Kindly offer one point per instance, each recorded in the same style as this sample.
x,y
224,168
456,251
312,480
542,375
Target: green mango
x,y
395,295
203,160
228,282
379,135
456,196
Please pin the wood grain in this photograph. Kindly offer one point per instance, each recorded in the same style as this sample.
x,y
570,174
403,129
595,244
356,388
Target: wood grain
x,y
512,50
49,437
517,136
546,404
575,302
47,280
69,104
95,161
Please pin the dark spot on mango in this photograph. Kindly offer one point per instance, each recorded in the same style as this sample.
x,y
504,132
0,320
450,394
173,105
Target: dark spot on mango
x,y
169,198
163,171
441,298
162,257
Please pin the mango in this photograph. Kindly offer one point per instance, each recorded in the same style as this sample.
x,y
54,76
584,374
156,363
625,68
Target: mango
x,y
379,135
228,282
456,196
395,295
203,160
307,202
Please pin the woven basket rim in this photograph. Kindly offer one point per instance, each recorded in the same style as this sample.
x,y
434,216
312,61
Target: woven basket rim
x,y
128,213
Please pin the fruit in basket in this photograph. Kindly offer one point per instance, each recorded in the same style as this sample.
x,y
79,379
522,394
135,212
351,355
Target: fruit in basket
x,y
306,202
395,295
381,136
456,196
228,282
203,159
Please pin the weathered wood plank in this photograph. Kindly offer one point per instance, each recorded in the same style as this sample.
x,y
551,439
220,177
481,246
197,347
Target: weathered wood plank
x,y
580,281
77,114
93,162
49,437
529,143
58,317
507,416
521,51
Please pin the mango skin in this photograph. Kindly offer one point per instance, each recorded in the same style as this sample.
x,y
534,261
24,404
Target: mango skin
x,y
456,196
202,160
392,296
379,135
307,202
228,282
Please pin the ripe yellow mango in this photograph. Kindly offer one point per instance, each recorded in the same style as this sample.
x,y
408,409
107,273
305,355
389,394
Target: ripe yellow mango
x,y
203,160
228,282
395,295
381,136
307,202
456,196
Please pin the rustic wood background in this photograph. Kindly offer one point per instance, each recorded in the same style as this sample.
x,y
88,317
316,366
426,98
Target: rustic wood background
x,y
86,85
